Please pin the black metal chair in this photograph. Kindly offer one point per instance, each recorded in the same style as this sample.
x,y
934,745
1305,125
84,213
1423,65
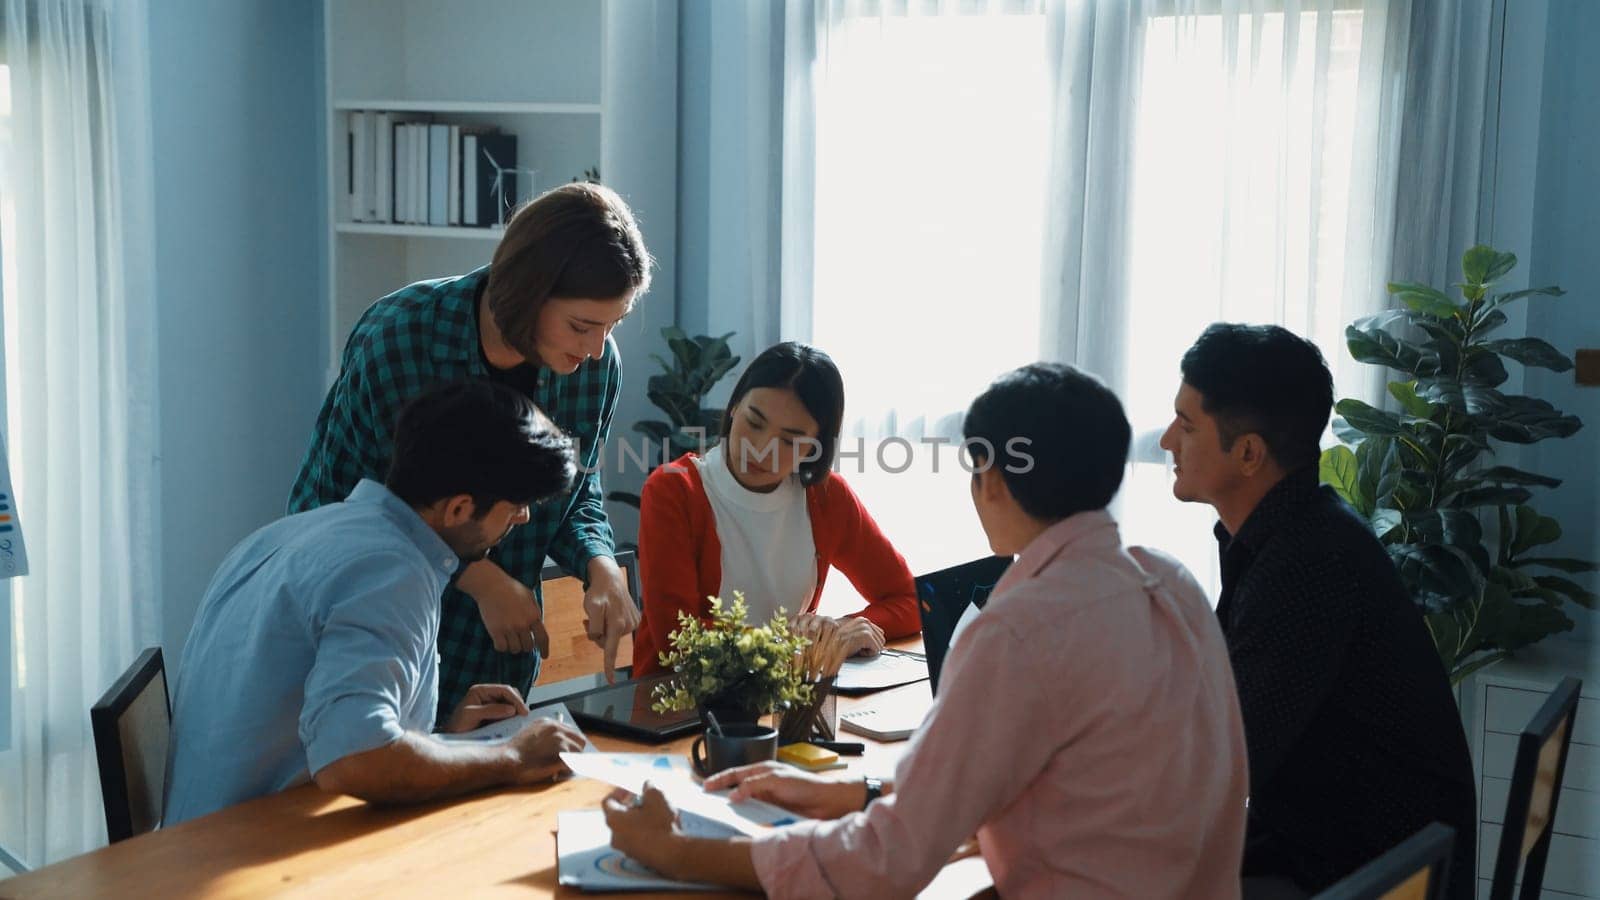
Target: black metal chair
x,y
1535,788
1418,868
132,726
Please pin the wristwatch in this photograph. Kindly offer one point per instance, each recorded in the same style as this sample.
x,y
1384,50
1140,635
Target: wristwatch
x,y
874,791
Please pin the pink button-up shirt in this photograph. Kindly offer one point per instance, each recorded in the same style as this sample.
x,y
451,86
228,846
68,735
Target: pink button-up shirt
x,y
1086,729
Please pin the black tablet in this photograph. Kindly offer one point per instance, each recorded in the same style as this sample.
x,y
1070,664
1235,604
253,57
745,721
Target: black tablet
x,y
623,709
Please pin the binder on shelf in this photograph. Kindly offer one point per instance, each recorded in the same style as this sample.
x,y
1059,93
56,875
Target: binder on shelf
x,y
469,179
453,174
361,190
419,174
438,174
383,168
399,175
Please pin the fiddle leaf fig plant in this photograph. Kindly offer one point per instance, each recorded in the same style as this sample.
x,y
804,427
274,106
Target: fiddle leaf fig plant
x,y
680,389
1422,472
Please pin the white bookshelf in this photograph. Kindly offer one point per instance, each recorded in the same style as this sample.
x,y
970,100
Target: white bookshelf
x,y
532,68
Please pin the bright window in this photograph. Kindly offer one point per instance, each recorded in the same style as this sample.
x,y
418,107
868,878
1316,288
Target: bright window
x,y
931,152
1244,178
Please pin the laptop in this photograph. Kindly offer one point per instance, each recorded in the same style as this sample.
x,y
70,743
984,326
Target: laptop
x,y
943,599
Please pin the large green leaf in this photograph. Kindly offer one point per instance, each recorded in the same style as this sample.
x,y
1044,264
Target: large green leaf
x,y
1384,349
1446,631
1563,563
1388,477
1525,420
1424,299
1444,391
1455,527
1532,622
1519,583
1338,469
1530,352
1384,522
1503,299
1483,264
1533,530
1459,454
1405,392
655,430
1445,332
624,497
1491,496
1368,419
1509,475
685,351
1437,569
1484,369
1487,320
1574,591
1371,455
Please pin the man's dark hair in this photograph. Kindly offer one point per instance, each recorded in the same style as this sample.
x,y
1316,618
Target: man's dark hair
x,y
481,439
814,378
1057,435
1265,380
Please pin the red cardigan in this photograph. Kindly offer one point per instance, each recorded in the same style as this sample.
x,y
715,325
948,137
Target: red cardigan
x,y
680,557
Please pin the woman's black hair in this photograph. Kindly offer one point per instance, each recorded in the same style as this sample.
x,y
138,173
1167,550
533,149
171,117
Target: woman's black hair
x,y
814,378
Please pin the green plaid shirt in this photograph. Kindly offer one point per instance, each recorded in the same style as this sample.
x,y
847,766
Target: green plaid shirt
x,y
427,334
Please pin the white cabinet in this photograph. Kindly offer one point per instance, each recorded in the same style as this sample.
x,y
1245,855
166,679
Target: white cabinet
x,y
1497,704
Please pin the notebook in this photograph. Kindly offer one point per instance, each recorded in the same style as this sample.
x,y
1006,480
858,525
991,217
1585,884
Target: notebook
x,y
891,718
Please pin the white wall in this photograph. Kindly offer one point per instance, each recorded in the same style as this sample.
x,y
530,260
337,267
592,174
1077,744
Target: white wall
x,y
236,91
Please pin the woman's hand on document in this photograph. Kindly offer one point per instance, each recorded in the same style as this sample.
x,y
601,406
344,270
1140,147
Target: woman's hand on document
x,y
538,748
799,792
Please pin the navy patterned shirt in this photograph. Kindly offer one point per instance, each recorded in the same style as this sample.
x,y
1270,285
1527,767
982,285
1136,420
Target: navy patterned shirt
x,y
427,334
1355,741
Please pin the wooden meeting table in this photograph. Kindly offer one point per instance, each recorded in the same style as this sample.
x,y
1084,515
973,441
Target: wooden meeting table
x,y
306,841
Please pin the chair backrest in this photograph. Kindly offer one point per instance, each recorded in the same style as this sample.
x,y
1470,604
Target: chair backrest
x,y
1535,788
132,724
571,652
1417,868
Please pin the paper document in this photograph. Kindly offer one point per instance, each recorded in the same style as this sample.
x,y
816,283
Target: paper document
x,y
586,860
503,730
891,668
670,774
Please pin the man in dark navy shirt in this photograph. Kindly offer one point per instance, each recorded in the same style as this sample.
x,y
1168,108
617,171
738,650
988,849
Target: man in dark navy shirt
x,y
1354,738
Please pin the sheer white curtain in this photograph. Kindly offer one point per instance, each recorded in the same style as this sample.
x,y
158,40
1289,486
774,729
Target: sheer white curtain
x,y
1089,181
915,151
80,378
1265,148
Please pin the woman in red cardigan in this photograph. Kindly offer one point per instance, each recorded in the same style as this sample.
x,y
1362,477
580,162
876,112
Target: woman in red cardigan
x,y
763,513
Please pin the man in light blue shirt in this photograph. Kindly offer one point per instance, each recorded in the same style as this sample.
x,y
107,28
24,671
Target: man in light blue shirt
x,y
314,653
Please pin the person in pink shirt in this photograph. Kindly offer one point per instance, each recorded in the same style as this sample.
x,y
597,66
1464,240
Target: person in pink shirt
x,y
1086,728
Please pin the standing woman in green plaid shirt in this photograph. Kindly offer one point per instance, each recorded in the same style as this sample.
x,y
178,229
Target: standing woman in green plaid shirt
x,y
538,318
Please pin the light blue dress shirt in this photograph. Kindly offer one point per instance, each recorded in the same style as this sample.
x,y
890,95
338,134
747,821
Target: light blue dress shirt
x,y
316,640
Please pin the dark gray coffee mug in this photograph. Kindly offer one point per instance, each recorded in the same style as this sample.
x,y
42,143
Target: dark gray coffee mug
x,y
738,745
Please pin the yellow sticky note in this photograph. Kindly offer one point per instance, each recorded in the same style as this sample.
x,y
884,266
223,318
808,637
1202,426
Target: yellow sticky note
x,y
808,756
